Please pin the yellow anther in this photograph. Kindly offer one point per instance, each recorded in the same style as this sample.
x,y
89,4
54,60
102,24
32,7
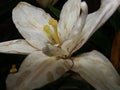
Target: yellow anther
x,y
13,69
50,33
46,28
53,22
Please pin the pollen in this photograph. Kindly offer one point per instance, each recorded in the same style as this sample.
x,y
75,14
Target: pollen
x,y
13,69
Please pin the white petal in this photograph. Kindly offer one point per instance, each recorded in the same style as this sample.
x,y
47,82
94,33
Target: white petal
x,y
69,15
73,40
33,59
119,2
81,20
30,21
97,19
36,71
97,70
16,47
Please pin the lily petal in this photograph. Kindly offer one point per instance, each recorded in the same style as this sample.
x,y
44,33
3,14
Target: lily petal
x,y
97,70
97,19
30,21
36,71
73,39
69,15
16,47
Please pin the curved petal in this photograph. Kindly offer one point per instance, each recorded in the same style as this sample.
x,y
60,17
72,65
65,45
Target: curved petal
x,y
73,39
36,71
97,19
16,47
30,21
69,15
97,70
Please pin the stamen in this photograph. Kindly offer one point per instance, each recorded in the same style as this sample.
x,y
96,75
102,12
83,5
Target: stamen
x,y
13,69
54,23
47,30
53,35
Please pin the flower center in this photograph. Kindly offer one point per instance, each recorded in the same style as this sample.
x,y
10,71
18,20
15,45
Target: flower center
x,y
52,34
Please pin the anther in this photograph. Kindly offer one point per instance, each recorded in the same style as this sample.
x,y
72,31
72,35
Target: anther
x,y
46,28
53,22
50,33
13,69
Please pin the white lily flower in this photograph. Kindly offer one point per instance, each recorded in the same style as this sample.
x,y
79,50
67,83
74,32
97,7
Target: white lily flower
x,y
51,44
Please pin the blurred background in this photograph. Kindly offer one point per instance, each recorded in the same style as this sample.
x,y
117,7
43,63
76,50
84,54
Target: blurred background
x,y
106,40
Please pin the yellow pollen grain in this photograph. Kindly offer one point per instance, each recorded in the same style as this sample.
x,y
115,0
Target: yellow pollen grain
x,y
13,69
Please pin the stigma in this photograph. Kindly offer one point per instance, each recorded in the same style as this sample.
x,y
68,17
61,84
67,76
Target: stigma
x,y
52,34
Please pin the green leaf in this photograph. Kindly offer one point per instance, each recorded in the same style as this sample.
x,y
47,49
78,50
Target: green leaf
x,y
54,10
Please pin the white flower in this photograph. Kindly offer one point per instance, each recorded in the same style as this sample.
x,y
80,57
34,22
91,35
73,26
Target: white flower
x,y
51,44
